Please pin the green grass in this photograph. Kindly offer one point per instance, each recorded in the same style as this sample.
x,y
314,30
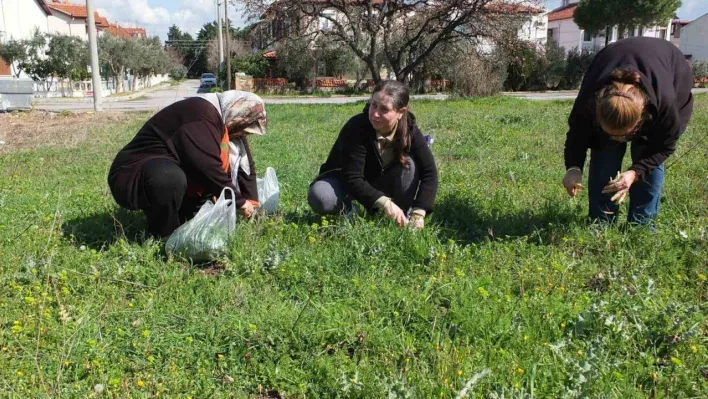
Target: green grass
x,y
507,276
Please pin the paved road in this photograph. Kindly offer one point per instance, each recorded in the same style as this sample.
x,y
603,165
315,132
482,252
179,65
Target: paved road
x,y
151,101
161,98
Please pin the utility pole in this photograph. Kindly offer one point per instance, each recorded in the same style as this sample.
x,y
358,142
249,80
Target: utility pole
x,y
93,47
221,38
228,46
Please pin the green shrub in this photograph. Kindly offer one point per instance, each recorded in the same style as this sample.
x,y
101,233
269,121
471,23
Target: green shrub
x,y
179,72
577,63
700,71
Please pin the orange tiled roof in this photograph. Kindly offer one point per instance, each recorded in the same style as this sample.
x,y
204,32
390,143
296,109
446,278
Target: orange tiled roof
x,y
270,55
101,22
562,13
78,11
136,32
74,10
125,33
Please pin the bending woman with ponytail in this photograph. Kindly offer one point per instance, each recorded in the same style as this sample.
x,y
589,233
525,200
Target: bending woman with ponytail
x,y
638,90
380,159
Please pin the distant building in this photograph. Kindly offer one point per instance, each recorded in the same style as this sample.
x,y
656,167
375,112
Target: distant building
x,y
71,19
563,30
694,39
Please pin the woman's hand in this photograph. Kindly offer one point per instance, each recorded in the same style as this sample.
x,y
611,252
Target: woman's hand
x,y
247,210
620,186
394,212
572,181
417,222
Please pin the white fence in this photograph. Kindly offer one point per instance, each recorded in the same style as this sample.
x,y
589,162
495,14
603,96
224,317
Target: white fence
x,y
64,88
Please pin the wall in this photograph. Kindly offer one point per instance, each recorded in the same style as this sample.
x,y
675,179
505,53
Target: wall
x,y
535,29
694,39
60,23
566,33
19,19
569,35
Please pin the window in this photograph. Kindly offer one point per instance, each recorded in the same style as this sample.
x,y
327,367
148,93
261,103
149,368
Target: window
x,y
550,36
587,37
325,20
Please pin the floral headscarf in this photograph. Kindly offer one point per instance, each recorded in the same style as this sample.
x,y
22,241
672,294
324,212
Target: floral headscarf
x,y
242,113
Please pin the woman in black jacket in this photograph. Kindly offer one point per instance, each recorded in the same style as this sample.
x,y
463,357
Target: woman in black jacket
x,y
638,90
187,153
380,159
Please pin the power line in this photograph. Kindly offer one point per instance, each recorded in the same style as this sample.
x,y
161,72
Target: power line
x,y
677,157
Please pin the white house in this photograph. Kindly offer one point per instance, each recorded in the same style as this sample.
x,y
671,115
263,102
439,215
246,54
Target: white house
x,y
71,19
694,39
18,20
563,30
676,26
535,28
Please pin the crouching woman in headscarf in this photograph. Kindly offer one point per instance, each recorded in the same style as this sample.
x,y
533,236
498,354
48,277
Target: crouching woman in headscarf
x,y
180,158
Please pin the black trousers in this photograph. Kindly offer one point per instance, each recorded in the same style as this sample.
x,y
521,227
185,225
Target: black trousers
x,y
163,185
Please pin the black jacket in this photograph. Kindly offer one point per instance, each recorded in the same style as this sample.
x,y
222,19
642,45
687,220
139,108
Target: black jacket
x,y
189,133
355,154
666,79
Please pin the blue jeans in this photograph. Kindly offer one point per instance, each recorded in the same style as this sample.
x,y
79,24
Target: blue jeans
x,y
644,195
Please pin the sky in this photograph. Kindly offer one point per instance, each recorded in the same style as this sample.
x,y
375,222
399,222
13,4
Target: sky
x,y
156,16
189,15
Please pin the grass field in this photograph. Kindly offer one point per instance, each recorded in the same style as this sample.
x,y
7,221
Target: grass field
x,y
508,292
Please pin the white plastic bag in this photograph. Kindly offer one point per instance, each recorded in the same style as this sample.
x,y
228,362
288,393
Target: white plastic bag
x,y
206,237
234,162
268,191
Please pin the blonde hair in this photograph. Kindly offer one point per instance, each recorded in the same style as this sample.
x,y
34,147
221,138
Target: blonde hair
x,y
621,103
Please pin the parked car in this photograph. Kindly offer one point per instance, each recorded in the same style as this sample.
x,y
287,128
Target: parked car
x,y
207,80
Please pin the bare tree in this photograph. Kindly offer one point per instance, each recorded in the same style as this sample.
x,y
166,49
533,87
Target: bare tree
x,y
238,48
402,32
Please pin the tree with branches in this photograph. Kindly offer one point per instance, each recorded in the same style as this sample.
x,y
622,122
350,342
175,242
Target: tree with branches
x,y
27,55
401,33
117,53
14,51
